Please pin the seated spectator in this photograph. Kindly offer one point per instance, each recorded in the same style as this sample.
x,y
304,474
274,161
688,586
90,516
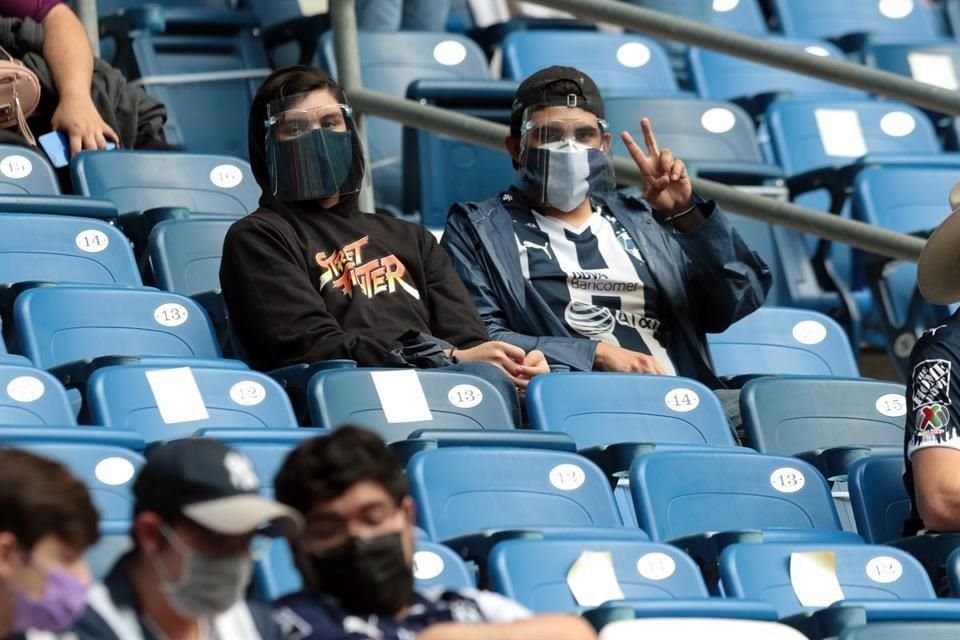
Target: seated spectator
x,y
83,97
310,277
402,15
47,522
932,430
595,278
356,556
196,512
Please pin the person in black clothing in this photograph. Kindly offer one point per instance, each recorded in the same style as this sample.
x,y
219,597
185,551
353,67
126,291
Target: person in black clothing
x,y
310,277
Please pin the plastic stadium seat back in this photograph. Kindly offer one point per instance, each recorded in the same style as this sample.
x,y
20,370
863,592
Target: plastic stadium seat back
x,y
56,325
136,398
107,464
743,17
953,573
809,133
713,628
24,170
901,630
139,180
31,397
107,7
606,408
363,397
266,448
183,71
791,415
882,20
774,340
185,254
934,63
692,128
434,567
64,249
880,502
389,63
620,65
534,572
465,490
679,493
864,572
722,77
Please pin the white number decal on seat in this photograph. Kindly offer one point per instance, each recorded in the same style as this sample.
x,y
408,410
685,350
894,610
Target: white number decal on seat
x,y
787,480
170,314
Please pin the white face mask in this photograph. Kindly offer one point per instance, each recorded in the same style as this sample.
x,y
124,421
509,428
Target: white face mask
x,y
208,585
563,172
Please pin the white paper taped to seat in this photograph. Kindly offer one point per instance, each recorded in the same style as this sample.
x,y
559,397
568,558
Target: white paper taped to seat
x,y
593,580
177,395
813,575
840,132
401,396
933,68
313,7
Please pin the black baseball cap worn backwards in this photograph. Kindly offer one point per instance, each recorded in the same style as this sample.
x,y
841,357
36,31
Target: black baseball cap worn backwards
x,y
534,92
212,485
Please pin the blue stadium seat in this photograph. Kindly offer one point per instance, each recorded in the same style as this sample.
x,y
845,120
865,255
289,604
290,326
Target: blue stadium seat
x,y
901,630
185,254
222,67
64,249
933,62
266,448
389,63
460,491
716,139
607,408
743,16
621,65
137,181
32,397
657,579
880,502
953,573
904,21
722,77
125,397
25,170
361,397
683,493
714,628
434,566
791,415
876,201
783,341
105,460
57,325
887,583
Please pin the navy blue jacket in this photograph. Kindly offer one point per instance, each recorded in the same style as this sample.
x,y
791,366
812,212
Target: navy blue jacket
x,y
708,279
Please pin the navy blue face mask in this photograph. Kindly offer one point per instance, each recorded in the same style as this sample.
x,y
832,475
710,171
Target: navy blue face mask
x,y
316,165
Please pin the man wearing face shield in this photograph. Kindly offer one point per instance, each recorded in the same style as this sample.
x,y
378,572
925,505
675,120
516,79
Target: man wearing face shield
x,y
47,522
356,557
599,279
197,511
309,277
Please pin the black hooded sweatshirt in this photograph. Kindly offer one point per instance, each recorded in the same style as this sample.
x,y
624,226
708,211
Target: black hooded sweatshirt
x,y
303,284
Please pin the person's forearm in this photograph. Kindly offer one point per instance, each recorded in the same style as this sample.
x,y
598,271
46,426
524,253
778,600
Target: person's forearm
x,y
555,627
67,52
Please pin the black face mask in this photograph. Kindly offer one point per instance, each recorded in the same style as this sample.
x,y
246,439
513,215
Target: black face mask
x,y
370,575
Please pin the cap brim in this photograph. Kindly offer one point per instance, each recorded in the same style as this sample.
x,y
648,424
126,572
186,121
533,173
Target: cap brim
x,y
938,270
242,514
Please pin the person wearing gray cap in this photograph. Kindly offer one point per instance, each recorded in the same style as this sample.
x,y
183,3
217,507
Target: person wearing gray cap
x,y
196,513
932,429
594,278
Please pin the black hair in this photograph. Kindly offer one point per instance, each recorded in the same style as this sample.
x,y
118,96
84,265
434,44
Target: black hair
x,y
322,469
282,83
40,497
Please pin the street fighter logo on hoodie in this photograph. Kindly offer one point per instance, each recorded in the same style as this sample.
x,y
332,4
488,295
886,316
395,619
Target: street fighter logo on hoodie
x,y
345,270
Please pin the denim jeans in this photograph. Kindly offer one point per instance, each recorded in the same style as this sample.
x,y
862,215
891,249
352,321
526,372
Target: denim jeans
x,y
405,15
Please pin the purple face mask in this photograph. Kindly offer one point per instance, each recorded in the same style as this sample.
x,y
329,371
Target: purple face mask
x,y
62,602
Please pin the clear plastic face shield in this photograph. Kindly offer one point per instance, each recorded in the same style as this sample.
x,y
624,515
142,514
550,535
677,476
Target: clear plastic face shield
x,y
564,155
313,152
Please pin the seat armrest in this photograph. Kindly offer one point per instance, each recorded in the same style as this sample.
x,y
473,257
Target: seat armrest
x,y
615,459
836,461
705,549
296,377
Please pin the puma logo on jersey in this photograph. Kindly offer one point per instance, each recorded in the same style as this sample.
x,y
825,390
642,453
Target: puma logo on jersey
x,y
545,247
